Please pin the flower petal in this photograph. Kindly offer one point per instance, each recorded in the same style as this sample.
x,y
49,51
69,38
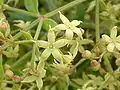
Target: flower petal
x,y
110,47
56,54
59,27
64,19
106,38
41,43
113,32
117,45
69,34
51,36
46,53
60,43
78,32
75,22
118,39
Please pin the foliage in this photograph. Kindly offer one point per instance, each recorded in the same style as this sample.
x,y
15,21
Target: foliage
x,y
44,47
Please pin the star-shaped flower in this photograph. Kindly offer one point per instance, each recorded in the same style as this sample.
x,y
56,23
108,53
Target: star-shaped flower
x,y
113,42
51,46
70,27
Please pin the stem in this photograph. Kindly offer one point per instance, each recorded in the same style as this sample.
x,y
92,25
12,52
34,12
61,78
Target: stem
x,y
24,41
69,5
35,22
79,62
6,7
97,21
21,60
107,64
1,69
38,29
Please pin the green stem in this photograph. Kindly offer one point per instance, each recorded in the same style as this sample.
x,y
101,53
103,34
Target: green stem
x,y
6,7
38,29
107,64
97,21
79,62
35,22
1,69
50,14
24,41
67,6
21,60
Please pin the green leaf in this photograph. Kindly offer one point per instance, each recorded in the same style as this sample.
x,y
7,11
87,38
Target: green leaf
x,y
91,6
60,43
31,5
75,50
39,83
48,22
27,35
29,79
42,44
1,2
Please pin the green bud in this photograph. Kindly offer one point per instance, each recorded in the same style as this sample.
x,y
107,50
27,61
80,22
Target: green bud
x,y
9,74
7,67
117,62
87,54
95,65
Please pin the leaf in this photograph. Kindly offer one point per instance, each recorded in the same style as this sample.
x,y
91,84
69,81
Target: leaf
x,y
29,79
31,5
48,22
41,43
27,35
39,83
91,6
1,2
60,43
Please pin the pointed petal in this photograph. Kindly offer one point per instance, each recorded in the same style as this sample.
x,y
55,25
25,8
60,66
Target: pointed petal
x,y
81,49
51,36
46,53
118,39
56,54
41,43
64,19
78,32
60,27
113,32
117,45
110,47
75,22
69,34
39,83
60,43
106,38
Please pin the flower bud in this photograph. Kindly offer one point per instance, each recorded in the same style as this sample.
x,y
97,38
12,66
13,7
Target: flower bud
x,y
9,74
7,67
87,54
16,78
95,65
3,26
117,62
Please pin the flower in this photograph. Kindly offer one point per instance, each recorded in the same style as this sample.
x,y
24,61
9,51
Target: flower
x,y
51,46
70,27
113,41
